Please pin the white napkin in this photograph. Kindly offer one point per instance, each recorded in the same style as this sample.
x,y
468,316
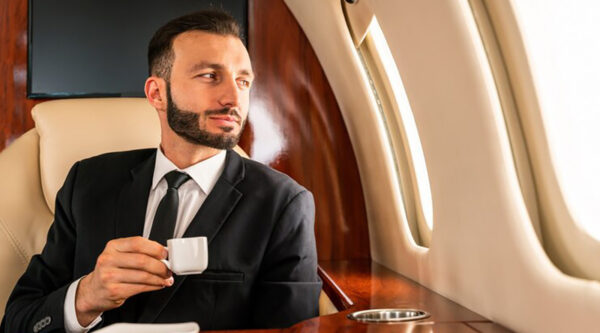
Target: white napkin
x,y
190,327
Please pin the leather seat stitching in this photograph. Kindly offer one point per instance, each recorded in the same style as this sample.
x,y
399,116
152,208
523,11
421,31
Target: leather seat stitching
x,y
14,242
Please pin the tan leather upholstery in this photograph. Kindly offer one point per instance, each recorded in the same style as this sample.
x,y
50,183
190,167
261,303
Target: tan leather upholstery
x,y
24,214
326,306
33,168
71,130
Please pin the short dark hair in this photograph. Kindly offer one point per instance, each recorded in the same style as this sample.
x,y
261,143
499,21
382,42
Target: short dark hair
x,y
160,49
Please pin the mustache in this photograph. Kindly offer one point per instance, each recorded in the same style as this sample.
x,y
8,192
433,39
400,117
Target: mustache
x,y
224,112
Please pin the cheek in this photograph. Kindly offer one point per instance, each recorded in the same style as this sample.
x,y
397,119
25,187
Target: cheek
x,y
194,97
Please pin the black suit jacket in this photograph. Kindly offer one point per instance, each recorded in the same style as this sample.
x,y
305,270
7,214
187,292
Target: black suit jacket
x,y
262,267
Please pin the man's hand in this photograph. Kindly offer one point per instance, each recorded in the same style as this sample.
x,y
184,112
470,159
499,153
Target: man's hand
x,y
126,267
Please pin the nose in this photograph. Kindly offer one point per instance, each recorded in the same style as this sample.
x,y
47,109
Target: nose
x,y
229,93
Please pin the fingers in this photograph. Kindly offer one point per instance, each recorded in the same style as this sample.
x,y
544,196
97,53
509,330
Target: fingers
x,y
138,245
117,293
126,267
135,261
126,290
101,291
134,276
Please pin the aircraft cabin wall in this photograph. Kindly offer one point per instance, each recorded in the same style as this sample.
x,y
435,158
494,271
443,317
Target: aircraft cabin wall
x,y
465,73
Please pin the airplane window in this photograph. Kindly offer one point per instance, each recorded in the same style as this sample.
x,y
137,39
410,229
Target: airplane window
x,y
394,106
561,40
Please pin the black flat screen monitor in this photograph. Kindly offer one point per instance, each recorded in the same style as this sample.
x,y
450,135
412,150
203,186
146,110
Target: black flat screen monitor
x,y
95,48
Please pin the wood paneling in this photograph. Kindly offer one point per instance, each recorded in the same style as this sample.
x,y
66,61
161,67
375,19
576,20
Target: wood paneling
x,y
15,118
297,127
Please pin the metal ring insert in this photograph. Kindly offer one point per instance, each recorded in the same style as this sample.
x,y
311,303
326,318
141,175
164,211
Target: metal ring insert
x,y
388,315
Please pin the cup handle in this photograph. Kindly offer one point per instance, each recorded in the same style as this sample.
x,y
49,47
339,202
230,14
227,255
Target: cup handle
x,y
167,263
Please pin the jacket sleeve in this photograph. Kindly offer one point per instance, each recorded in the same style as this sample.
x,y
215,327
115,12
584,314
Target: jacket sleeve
x,y
36,304
288,286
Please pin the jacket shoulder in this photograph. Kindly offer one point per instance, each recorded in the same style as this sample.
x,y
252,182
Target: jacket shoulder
x,y
267,178
112,168
120,159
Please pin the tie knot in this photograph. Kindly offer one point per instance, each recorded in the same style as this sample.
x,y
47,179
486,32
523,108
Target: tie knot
x,y
176,178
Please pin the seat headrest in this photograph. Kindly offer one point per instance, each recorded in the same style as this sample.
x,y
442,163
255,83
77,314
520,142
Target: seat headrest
x,y
74,129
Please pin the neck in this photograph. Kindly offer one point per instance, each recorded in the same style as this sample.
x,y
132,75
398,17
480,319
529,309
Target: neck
x,y
184,154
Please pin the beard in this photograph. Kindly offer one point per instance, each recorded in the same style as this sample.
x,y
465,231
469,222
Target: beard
x,y
189,126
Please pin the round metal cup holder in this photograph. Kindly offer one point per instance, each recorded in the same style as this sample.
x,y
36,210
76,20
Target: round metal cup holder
x,y
388,315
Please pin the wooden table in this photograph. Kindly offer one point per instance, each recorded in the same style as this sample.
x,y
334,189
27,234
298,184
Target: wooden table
x,y
355,285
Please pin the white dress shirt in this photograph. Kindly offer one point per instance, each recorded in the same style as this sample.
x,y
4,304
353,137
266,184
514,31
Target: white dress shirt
x,y
191,196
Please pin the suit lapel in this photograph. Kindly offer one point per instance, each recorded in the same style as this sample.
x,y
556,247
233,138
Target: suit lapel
x,y
133,200
208,221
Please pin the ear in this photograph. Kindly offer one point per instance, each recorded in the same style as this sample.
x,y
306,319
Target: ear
x,y
156,92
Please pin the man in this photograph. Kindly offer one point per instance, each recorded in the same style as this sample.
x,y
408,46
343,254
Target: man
x,y
96,268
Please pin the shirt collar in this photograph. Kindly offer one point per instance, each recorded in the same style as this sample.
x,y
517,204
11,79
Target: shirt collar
x,y
204,173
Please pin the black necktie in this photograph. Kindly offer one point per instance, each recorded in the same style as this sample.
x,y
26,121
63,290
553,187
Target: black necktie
x,y
165,218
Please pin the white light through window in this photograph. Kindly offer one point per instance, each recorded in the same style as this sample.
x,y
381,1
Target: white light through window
x,y
562,39
423,190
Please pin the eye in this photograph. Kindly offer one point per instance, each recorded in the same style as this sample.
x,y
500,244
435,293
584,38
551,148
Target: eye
x,y
244,83
207,75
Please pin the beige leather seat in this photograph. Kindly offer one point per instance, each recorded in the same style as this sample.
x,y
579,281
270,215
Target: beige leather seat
x,y
33,168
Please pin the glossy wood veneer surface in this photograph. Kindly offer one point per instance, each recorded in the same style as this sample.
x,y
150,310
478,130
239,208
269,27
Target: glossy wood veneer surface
x,y
295,126
15,107
488,328
423,327
369,285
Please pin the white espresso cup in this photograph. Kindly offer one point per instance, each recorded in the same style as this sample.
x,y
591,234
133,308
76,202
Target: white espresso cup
x,y
187,255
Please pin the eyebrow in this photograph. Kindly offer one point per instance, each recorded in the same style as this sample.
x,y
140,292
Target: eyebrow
x,y
216,66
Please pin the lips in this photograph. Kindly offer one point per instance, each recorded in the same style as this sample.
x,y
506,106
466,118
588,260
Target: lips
x,y
225,119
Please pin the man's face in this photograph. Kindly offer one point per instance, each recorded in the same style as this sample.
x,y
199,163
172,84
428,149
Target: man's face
x,y
209,89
